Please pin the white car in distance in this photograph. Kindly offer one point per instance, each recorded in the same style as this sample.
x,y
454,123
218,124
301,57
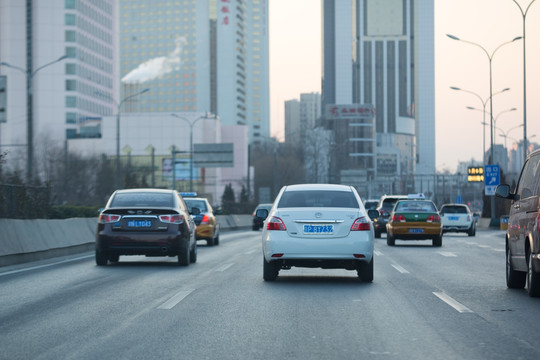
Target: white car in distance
x,y
457,218
317,226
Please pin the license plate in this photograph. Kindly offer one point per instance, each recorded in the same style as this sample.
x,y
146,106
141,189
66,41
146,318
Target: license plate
x,y
318,229
453,218
416,231
139,223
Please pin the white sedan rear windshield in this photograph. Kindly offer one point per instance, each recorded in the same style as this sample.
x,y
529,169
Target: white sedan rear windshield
x,y
318,198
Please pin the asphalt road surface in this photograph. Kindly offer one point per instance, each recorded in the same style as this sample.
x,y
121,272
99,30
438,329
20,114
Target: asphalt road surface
x,y
424,303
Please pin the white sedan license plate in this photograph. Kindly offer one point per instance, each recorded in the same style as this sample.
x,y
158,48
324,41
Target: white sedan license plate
x,y
318,229
453,218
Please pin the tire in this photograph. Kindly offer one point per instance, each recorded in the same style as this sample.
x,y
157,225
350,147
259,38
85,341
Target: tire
x,y
193,253
533,279
390,240
377,234
437,241
270,270
216,240
255,228
184,257
514,279
472,231
101,258
114,258
365,271
210,242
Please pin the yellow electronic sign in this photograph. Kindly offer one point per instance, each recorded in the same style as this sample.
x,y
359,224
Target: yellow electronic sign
x,y
475,174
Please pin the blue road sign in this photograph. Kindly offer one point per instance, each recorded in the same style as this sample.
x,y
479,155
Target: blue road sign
x,y
492,178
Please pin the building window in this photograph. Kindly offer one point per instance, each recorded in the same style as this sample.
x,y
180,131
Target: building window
x,y
71,85
70,4
71,36
71,52
70,19
71,133
71,101
71,118
71,69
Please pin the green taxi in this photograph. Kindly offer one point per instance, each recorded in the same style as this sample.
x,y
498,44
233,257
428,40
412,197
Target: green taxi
x,y
414,219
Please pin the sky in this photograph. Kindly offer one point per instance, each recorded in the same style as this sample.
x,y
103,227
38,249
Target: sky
x,y
295,68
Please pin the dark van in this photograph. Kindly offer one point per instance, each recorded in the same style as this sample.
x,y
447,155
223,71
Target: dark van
x,y
522,235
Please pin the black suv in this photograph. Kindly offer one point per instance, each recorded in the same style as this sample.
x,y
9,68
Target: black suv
x,y
386,204
522,236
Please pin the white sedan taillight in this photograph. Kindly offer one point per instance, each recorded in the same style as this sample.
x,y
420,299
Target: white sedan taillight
x,y
275,223
361,224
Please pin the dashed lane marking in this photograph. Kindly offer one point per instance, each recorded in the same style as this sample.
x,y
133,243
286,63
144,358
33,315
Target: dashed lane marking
x,y
452,302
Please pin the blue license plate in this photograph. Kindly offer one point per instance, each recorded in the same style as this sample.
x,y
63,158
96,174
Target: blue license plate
x,y
416,231
318,229
453,218
139,223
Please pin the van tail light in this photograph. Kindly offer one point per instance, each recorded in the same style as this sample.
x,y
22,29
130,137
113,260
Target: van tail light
x,y
361,224
275,223
172,218
205,220
400,218
108,218
433,219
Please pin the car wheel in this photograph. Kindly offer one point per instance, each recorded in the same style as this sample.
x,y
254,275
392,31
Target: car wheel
x,y
101,258
377,234
533,279
255,228
390,240
210,242
193,253
183,257
365,271
270,270
114,258
437,241
472,231
514,279
216,240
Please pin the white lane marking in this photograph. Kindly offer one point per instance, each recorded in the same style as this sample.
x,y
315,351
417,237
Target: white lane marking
x,y
224,267
452,302
377,252
500,250
250,252
483,246
46,265
400,269
447,254
173,301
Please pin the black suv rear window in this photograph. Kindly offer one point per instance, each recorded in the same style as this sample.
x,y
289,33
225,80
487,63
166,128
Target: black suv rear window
x,y
142,199
318,198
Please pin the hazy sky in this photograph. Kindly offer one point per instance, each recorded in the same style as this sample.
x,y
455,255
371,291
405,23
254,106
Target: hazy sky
x,y
295,67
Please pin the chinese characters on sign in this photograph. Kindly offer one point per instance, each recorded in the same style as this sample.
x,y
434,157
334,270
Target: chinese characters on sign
x,y
475,174
354,111
225,11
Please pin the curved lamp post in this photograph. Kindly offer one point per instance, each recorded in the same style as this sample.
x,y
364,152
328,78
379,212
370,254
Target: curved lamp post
x,y
191,125
29,111
484,103
490,58
524,16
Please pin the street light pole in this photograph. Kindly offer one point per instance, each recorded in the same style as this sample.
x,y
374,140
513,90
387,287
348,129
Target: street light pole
x,y
30,111
490,58
191,125
117,177
524,16
484,103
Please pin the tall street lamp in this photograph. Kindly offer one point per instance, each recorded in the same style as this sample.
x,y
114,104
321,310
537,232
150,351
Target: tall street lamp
x,y
484,103
484,123
191,125
29,111
505,133
524,16
117,178
490,58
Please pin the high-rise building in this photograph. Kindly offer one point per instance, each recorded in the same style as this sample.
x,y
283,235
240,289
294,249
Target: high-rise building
x,y
384,55
204,55
68,92
301,116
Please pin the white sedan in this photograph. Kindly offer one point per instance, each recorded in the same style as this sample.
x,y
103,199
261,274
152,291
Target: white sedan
x,y
457,218
317,226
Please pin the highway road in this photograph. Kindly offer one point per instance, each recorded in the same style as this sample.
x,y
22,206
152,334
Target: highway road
x,y
424,303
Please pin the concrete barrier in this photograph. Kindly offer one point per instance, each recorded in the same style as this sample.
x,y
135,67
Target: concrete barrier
x,y
30,240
